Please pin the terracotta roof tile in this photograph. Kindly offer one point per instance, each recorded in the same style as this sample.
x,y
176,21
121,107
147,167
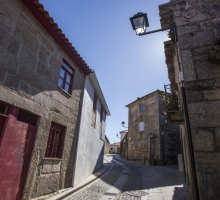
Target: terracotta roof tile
x,y
35,6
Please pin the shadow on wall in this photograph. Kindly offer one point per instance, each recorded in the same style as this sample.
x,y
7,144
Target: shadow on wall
x,y
71,160
69,176
29,143
71,164
99,162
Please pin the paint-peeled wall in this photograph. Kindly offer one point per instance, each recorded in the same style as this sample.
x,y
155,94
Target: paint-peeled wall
x,y
90,150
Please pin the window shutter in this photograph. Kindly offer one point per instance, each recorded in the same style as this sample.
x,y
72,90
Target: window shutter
x,y
55,141
141,126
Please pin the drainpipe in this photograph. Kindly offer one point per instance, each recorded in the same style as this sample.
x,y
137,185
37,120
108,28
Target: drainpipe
x,y
191,151
127,147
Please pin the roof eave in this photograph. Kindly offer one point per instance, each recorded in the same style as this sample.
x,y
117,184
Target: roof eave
x,y
99,92
58,37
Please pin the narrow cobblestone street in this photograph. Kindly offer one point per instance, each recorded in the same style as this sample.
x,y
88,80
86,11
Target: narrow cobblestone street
x,y
125,180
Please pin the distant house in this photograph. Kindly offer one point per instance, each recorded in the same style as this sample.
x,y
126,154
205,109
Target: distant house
x,y
115,148
42,99
90,151
151,138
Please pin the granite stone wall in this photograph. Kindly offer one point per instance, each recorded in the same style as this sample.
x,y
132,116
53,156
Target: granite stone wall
x,y
124,146
30,62
198,32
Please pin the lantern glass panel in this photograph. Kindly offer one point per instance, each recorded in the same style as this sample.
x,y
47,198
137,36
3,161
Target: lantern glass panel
x,y
140,30
139,21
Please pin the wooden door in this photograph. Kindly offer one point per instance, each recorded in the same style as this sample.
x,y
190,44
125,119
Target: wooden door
x,y
15,153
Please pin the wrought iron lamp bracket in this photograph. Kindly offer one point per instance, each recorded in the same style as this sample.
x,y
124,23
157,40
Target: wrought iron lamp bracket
x,y
163,29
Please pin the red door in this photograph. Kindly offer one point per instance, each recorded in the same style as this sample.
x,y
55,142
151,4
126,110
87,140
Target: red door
x,y
15,153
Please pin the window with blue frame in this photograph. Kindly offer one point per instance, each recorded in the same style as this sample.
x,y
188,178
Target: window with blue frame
x,y
141,107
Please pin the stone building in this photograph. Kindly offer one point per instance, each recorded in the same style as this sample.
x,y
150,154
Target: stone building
x,y
124,145
91,144
107,145
193,62
42,80
147,121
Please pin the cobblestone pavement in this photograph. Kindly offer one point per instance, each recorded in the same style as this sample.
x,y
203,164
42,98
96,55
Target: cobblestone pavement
x,y
127,180
133,183
99,187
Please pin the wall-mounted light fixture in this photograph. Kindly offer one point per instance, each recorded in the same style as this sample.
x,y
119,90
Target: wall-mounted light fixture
x,y
140,23
123,124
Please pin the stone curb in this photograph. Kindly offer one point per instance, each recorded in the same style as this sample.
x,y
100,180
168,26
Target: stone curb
x,y
68,192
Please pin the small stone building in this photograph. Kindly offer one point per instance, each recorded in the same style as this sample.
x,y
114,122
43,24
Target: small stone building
x,y
193,62
151,138
114,148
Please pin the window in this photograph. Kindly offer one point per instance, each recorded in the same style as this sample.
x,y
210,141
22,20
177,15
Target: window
x,y
141,126
101,115
100,124
141,107
55,141
101,118
94,111
66,77
94,103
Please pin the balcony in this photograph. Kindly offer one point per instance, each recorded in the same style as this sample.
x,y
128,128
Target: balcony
x,y
172,104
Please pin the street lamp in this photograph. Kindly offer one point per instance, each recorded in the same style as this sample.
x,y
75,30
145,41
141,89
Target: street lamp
x,y
123,124
140,23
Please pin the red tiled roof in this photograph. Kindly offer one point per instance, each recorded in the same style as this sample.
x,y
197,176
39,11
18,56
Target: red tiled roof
x,y
140,98
48,23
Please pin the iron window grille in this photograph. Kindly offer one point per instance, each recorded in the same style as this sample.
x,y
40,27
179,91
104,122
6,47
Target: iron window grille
x,y
55,141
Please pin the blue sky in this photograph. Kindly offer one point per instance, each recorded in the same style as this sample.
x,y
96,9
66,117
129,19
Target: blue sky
x,y
127,66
